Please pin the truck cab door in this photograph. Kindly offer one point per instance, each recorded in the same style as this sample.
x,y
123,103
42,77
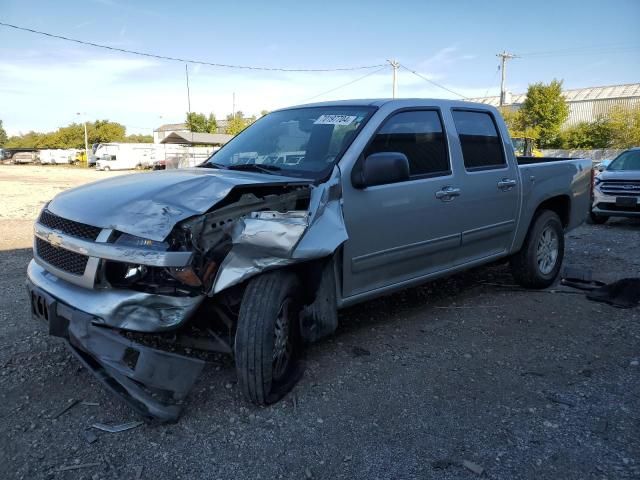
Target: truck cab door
x,y
490,182
402,231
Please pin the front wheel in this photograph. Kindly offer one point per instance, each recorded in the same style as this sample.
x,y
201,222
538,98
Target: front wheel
x,y
538,262
268,348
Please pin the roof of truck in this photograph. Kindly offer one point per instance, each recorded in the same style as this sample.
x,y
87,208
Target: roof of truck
x,y
398,102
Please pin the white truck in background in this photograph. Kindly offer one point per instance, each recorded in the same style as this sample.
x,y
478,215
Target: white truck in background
x,y
129,156
124,156
57,156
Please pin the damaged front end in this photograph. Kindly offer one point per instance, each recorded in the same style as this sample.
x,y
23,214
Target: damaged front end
x,y
108,295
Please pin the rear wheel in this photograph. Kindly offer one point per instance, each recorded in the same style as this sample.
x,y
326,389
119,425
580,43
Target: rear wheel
x,y
538,262
267,345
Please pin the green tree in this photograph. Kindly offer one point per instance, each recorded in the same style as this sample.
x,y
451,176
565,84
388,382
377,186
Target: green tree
x,y
516,124
199,123
212,124
3,135
544,111
597,134
103,131
238,122
71,136
625,126
138,138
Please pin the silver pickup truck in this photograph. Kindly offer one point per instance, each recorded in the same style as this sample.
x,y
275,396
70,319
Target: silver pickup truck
x,y
309,210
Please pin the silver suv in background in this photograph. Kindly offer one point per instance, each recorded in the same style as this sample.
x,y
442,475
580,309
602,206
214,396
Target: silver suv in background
x,y
616,191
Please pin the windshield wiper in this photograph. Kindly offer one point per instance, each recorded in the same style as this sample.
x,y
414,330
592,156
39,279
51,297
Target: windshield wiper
x,y
212,165
264,168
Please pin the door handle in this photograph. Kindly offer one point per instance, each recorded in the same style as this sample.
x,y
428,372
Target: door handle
x,y
448,193
506,184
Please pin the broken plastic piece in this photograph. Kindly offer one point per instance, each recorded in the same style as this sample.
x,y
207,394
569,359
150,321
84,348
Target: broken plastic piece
x,y
116,428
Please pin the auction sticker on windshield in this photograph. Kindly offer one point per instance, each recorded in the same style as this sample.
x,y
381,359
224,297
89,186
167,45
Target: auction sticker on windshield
x,y
335,120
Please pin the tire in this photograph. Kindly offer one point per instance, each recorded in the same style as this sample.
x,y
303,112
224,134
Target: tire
x,y
594,219
538,262
269,301
106,169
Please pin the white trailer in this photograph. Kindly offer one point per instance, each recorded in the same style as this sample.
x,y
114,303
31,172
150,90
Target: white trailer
x,y
57,156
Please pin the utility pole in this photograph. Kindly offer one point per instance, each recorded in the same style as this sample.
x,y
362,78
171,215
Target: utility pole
x,y
191,155
395,66
86,140
504,56
233,106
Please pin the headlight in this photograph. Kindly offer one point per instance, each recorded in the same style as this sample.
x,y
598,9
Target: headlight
x,y
126,240
597,181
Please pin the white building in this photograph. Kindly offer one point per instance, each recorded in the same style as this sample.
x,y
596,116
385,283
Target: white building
x,y
585,104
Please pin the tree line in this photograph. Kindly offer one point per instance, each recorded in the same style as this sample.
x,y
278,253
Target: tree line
x,y
72,136
540,118
545,110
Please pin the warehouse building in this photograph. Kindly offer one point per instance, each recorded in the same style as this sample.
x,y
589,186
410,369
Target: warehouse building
x,y
585,104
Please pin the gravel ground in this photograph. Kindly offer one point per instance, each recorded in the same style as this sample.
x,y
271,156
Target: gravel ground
x,y
521,384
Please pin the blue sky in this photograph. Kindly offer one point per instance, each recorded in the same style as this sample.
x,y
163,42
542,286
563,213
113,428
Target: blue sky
x,y
44,82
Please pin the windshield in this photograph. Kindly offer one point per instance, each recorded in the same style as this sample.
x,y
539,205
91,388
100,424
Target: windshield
x,y
629,160
301,142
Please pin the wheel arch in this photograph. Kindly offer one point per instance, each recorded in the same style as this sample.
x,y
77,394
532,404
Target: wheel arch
x,y
559,204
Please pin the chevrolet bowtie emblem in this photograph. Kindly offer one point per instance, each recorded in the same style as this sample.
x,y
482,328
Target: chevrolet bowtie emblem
x,y
54,239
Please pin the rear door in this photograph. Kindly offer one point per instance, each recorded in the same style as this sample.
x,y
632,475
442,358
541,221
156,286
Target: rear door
x,y
403,231
490,183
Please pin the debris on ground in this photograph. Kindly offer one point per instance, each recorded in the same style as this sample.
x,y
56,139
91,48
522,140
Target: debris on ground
x,y
139,469
117,428
474,467
78,467
70,404
89,436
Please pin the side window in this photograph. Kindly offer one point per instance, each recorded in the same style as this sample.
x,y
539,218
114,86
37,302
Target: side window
x,y
480,141
417,134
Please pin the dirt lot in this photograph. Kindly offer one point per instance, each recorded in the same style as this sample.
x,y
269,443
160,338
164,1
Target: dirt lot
x,y
523,384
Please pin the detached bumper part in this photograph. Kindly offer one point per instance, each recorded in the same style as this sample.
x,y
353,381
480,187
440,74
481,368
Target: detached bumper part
x,y
152,381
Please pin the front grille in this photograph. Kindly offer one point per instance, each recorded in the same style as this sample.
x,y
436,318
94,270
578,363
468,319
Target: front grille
x,y
75,229
60,258
618,208
619,188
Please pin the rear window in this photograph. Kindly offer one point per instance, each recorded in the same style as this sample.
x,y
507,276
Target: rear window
x,y
480,141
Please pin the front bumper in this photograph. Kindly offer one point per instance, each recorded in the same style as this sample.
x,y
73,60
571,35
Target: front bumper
x,y
152,381
606,205
126,309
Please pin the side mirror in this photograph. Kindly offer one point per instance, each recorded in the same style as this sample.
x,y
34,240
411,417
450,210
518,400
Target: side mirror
x,y
380,169
600,168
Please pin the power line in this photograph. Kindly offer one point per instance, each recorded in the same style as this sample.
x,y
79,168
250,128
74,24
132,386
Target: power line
x,y
186,60
585,50
432,82
346,84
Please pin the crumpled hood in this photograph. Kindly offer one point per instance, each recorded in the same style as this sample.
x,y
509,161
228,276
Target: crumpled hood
x,y
149,205
619,175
